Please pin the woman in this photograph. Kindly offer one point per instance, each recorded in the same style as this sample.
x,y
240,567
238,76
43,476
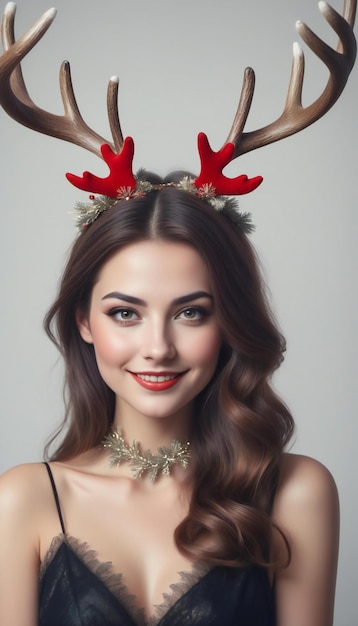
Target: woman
x,y
166,335
173,459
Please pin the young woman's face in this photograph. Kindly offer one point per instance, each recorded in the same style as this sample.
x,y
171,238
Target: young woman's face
x,y
153,326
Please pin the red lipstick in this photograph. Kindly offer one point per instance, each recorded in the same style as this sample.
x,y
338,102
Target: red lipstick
x,y
160,381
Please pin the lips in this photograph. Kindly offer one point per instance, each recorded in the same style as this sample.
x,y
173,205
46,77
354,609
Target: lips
x,y
157,382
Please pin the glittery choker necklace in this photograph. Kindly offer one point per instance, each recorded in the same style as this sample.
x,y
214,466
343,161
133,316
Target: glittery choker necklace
x,y
145,462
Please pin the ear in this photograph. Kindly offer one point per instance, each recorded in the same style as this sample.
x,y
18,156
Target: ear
x,y
83,326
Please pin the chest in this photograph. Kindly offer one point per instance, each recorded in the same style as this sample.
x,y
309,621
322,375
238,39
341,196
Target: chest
x,y
73,594
133,530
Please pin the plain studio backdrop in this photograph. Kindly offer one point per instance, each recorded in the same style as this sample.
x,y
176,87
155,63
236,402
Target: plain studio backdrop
x,y
180,66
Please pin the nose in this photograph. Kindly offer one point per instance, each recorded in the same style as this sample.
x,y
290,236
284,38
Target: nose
x,y
158,342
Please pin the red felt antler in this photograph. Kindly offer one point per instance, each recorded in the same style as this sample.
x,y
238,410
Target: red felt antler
x,y
212,164
120,178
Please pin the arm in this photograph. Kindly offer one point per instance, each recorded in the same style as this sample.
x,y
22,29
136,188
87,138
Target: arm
x,y
306,509
19,545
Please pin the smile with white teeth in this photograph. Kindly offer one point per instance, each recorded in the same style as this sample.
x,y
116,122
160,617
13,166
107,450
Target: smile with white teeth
x,y
156,379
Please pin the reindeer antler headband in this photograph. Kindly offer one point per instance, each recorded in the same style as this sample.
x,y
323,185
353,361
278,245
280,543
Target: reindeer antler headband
x,y
118,154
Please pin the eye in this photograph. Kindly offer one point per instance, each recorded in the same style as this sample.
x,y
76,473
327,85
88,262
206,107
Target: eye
x,y
192,314
123,315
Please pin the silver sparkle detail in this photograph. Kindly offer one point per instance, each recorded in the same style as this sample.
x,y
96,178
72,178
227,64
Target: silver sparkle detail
x,y
144,462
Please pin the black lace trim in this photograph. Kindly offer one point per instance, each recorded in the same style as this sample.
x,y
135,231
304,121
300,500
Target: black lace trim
x,y
187,581
113,581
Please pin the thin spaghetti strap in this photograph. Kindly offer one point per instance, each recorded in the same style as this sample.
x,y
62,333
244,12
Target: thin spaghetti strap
x,y
55,495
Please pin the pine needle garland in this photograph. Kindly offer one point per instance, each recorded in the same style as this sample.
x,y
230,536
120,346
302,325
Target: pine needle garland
x,y
146,463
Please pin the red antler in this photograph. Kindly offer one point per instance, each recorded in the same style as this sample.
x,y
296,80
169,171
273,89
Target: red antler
x,y
121,176
212,164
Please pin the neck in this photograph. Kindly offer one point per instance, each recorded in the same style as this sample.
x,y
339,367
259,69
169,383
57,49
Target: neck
x,y
152,432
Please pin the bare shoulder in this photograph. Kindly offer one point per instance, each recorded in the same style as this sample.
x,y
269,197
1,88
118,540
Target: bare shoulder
x,y
305,485
25,504
22,489
21,475
306,510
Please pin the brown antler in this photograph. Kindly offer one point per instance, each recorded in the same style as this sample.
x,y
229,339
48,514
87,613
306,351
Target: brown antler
x,y
71,127
17,103
295,117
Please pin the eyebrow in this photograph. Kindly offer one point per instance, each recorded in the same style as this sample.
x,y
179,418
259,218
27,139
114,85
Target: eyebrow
x,y
138,301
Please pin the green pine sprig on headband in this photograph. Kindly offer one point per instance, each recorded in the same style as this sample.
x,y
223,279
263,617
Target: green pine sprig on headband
x,y
89,212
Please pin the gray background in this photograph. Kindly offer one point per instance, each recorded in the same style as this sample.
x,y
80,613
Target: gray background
x,y
180,66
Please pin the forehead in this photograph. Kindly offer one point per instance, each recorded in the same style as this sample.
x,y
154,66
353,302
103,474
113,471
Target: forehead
x,y
146,265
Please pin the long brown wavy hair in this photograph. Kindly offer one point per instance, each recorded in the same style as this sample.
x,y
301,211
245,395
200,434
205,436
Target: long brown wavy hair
x,y
241,427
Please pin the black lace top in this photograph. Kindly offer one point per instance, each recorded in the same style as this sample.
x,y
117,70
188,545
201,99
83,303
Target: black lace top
x,y
78,590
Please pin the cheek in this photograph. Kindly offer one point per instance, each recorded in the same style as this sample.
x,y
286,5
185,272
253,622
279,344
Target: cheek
x,y
109,347
205,348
